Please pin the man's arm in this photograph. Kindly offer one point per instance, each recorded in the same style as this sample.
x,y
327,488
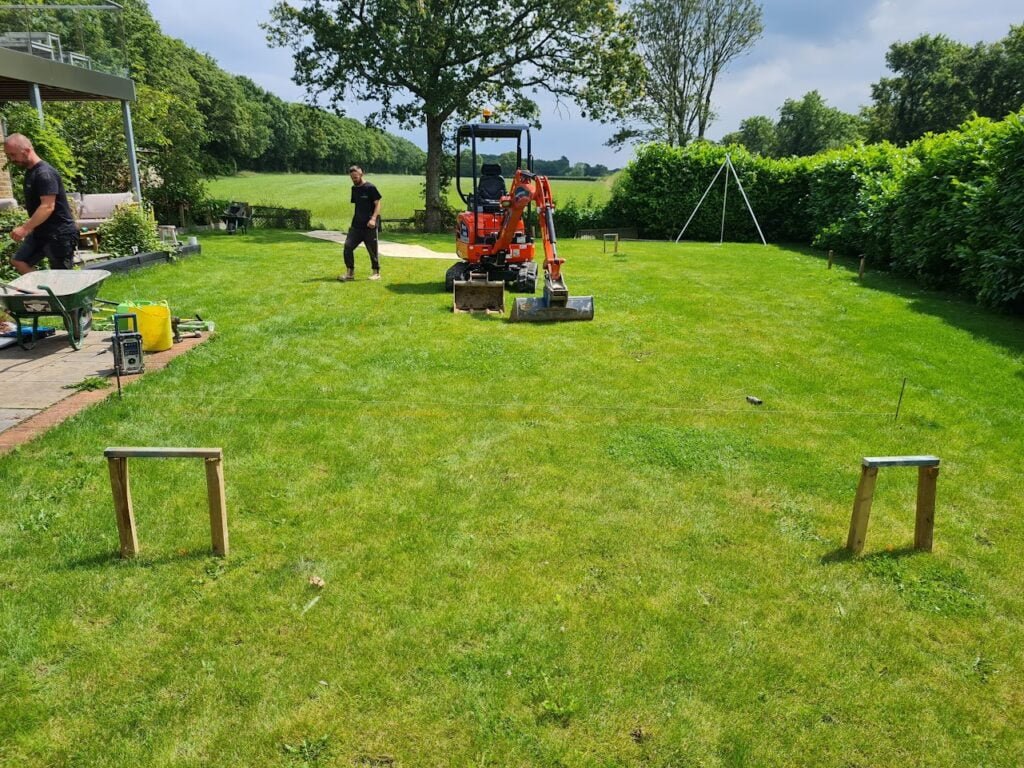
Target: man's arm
x,y
46,205
376,213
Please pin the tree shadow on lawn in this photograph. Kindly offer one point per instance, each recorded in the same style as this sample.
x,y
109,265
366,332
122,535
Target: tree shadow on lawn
x,y
954,309
266,237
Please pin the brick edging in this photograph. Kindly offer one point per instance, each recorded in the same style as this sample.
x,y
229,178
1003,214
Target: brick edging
x,y
53,415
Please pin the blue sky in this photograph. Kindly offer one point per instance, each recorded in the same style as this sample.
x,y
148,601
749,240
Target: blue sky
x,y
835,46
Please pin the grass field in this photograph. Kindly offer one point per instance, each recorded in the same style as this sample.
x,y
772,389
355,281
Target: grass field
x,y
328,196
571,545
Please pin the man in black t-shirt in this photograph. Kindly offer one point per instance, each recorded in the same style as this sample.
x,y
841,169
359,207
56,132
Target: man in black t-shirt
x,y
364,224
50,231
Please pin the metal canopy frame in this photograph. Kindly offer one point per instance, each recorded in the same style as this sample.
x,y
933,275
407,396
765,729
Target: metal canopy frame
x,y
24,77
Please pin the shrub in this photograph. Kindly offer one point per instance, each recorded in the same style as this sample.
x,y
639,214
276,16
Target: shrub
x,y
132,229
9,219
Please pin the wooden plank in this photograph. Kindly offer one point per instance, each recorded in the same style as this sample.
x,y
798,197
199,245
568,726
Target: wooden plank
x,y
218,506
862,509
901,461
123,506
925,523
163,453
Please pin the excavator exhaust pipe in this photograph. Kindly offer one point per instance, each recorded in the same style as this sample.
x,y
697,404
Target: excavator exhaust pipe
x,y
478,294
555,306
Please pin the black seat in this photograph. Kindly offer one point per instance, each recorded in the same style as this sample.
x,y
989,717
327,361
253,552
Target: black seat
x,y
491,187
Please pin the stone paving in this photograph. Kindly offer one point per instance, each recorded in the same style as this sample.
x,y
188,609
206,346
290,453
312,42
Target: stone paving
x,y
34,393
387,248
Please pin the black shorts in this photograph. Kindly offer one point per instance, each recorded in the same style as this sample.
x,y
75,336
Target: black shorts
x,y
59,251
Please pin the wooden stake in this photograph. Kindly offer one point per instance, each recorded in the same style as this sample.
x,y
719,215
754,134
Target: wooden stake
x,y
862,509
121,489
830,259
860,274
218,507
925,524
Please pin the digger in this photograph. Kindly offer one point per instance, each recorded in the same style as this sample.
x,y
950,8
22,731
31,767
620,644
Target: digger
x,y
492,241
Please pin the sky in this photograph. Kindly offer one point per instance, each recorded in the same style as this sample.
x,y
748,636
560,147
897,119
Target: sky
x,y
836,47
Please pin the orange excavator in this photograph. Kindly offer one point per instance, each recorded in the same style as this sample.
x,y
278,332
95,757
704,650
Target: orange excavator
x,y
493,243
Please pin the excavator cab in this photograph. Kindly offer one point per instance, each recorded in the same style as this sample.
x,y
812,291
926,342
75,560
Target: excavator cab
x,y
494,244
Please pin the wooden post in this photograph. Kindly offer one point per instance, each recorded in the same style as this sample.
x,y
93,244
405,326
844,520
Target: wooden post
x,y
218,508
860,274
862,509
123,506
925,523
830,259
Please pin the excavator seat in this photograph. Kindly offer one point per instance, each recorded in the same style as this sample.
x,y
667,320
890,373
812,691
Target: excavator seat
x,y
490,189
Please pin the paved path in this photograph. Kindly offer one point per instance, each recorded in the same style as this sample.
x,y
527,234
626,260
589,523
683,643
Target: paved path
x,y
33,393
398,250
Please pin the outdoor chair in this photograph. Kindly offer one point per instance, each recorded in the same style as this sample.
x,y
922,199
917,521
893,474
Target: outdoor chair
x,y
237,216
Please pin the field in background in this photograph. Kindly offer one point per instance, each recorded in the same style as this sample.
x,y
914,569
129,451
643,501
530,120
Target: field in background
x,y
328,196
541,545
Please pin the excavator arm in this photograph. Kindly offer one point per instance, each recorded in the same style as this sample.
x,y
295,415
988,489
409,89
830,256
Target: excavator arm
x,y
530,188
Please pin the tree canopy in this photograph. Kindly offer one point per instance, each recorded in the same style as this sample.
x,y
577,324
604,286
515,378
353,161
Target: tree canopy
x,y
686,45
424,62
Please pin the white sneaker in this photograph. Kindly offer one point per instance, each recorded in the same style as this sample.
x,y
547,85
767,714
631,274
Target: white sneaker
x,y
375,276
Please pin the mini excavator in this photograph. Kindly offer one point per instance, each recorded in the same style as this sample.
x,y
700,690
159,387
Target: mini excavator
x,y
493,243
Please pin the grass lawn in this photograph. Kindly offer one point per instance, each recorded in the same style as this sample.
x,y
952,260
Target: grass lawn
x,y
571,545
328,196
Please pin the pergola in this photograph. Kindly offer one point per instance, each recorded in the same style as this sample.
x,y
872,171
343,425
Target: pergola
x,y
25,77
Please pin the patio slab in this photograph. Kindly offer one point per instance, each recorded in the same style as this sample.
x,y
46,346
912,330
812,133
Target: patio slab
x,y
34,393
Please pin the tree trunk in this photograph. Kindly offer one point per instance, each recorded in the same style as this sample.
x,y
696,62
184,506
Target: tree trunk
x,y
435,156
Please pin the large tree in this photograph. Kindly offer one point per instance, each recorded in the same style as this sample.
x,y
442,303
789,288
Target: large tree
x,y
931,89
423,62
758,134
807,126
686,45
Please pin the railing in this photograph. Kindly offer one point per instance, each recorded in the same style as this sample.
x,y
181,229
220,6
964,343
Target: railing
x,y
57,34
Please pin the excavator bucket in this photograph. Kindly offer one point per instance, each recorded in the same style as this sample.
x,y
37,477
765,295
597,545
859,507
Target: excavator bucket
x,y
554,306
478,294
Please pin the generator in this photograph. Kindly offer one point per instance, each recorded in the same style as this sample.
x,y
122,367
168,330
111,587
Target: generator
x,y
128,356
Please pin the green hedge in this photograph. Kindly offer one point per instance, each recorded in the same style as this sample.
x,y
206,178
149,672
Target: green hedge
x,y
947,210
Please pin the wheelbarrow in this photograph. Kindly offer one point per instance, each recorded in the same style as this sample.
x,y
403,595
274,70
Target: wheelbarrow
x,y
63,292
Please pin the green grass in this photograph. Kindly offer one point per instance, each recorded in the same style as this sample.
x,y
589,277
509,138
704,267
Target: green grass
x,y
571,545
328,196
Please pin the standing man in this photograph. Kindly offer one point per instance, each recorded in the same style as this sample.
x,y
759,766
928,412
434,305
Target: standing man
x,y
364,224
50,231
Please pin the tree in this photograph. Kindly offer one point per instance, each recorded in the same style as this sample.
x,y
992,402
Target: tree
x,y
757,134
426,61
686,44
809,126
931,91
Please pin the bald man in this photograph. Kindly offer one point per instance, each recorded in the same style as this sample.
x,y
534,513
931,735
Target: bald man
x,y
50,231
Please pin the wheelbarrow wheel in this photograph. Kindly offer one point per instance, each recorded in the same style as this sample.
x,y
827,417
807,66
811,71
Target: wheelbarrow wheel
x,y
78,322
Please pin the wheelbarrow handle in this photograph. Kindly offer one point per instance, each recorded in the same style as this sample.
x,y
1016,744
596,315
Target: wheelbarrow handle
x,y
5,286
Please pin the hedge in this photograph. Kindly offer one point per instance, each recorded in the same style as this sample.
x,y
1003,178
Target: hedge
x,y
948,210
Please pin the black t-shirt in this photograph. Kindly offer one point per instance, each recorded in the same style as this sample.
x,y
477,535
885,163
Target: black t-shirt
x,y
42,179
364,196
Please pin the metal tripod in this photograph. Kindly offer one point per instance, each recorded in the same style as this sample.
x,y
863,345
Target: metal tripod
x,y
725,166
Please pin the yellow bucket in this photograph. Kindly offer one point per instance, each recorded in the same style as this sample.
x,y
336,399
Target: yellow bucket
x,y
154,325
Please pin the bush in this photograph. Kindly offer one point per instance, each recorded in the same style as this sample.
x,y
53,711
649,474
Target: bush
x,y
9,219
132,229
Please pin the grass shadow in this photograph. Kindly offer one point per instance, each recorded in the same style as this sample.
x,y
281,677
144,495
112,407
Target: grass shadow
x,y
417,289
113,558
843,555
955,309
